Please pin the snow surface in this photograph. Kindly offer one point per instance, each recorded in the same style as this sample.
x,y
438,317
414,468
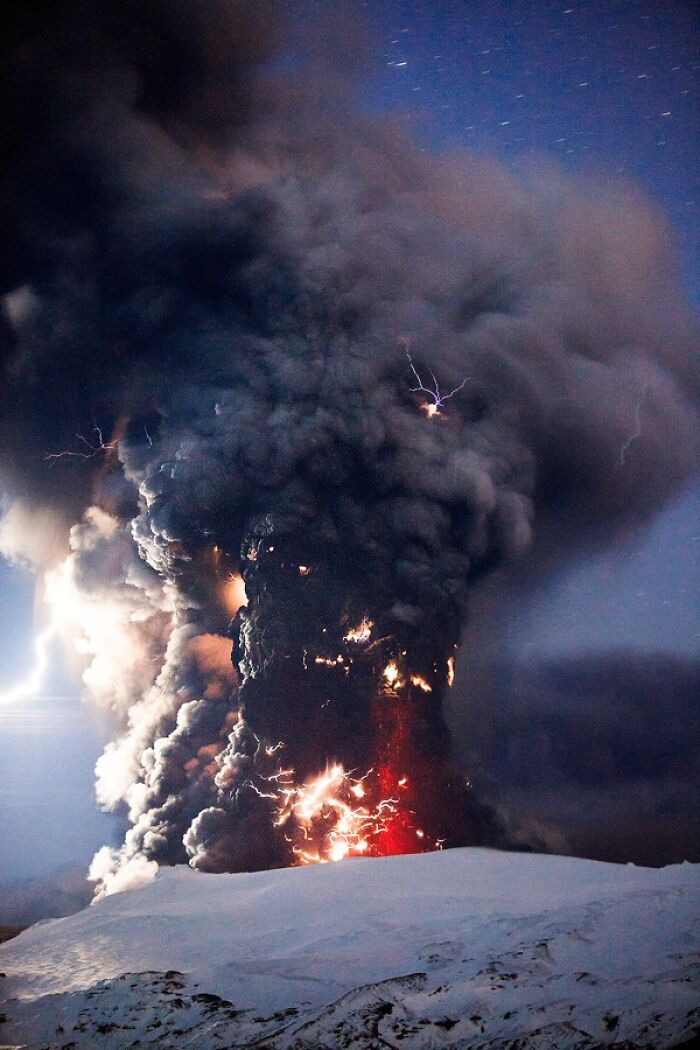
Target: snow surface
x,y
464,948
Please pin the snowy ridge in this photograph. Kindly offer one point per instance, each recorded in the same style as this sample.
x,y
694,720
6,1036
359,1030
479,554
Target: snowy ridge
x,y
466,948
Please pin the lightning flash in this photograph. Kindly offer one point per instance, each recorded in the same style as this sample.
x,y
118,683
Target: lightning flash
x,y
30,686
432,407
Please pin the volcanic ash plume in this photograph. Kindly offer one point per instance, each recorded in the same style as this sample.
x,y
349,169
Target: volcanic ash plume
x,y
320,384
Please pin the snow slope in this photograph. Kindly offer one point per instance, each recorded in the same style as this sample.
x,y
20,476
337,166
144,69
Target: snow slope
x,y
465,948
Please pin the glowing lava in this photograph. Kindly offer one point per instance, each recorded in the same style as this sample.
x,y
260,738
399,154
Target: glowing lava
x,y
329,661
324,820
361,634
392,675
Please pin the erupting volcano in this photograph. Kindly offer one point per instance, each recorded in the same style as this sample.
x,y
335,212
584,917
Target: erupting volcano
x,y
333,381
325,680
339,746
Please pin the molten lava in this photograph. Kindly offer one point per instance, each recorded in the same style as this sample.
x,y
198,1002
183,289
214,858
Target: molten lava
x,y
323,821
361,634
392,675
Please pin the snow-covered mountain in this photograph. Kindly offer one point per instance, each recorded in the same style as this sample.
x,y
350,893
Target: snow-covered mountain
x,y
465,948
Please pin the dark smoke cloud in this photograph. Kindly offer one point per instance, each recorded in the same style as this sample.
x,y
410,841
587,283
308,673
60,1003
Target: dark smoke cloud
x,y
223,271
114,118
598,754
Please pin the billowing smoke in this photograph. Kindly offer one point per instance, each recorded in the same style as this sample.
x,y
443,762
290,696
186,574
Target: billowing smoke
x,y
227,287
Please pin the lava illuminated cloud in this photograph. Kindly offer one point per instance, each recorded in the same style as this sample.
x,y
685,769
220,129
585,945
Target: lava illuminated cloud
x,y
225,271
234,594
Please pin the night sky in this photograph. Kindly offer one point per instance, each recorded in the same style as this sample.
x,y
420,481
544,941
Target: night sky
x,y
607,91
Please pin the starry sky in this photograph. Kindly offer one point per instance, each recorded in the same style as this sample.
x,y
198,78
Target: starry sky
x,y
608,89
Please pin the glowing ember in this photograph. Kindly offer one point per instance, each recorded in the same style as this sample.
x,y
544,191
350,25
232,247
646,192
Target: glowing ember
x,y
392,675
325,823
450,670
361,634
304,570
329,661
421,683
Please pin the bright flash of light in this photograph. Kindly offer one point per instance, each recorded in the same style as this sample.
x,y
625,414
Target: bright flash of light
x,y
450,670
109,628
421,683
304,570
105,632
437,400
324,815
392,675
361,634
88,449
29,686
329,661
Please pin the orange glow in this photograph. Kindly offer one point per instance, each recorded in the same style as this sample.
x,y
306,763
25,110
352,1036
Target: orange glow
x,y
325,824
450,670
304,570
421,683
392,676
361,634
399,758
431,410
329,661
233,594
